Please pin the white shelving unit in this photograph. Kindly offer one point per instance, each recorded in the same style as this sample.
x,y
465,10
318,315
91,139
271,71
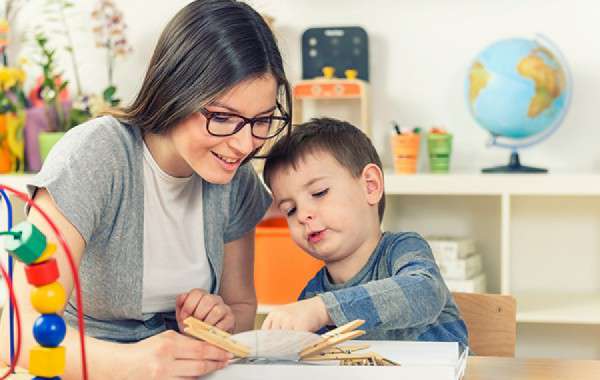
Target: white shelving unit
x,y
540,239
539,236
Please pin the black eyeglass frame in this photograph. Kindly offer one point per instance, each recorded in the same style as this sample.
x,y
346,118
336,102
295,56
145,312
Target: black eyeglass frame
x,y
285,118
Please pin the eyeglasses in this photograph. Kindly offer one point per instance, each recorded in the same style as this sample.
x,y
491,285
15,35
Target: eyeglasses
x,y
223,124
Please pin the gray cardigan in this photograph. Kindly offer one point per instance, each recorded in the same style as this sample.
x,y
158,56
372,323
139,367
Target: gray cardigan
x,y
94,175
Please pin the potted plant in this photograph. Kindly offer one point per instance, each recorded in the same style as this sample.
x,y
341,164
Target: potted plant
x,y
50,93
109,30
51,114
63,112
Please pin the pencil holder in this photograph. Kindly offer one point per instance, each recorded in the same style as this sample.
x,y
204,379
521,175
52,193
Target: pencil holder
x,y
405,149
439,146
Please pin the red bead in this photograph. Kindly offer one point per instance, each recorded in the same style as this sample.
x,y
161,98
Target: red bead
x,y
42,274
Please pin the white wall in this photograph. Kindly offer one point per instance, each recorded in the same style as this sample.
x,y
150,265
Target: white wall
x,y
420,51
419,54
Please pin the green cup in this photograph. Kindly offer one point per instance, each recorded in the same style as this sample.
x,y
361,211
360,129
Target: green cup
x,y
439,146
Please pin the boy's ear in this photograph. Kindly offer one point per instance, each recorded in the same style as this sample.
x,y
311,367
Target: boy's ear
x,y
373,179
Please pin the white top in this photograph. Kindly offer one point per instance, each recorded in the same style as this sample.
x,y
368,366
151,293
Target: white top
x,y
175,258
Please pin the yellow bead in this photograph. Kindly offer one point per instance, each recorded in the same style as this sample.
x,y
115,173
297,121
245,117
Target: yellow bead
x,y
48,252
49,299
47,362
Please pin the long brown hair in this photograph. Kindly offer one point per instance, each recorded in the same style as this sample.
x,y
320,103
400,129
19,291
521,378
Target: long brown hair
x,y
205,50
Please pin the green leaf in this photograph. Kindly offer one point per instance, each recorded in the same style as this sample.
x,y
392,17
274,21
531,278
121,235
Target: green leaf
x,y
109,93
48,83
63,85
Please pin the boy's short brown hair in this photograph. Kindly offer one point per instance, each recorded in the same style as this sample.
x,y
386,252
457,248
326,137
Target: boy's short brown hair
x,y
346,143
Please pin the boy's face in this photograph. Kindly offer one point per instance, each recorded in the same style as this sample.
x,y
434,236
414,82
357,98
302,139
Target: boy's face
x,y
330,213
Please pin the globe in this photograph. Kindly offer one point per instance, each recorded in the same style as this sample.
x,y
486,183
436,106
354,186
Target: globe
x,y
518,89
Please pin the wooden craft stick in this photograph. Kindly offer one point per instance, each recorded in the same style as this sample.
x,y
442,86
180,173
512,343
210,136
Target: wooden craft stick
x,y
350,326
346,349
196,323
354,358
339,356
329,342
215,336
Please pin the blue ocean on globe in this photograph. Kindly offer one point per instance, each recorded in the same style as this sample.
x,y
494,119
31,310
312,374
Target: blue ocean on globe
x,y
517,88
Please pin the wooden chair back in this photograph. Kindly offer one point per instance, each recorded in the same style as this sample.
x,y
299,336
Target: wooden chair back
x,y
491,321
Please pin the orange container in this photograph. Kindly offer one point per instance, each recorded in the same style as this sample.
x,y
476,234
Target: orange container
x,y
281,269
405,149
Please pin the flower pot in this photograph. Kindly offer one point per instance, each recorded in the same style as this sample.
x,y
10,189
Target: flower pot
x,y
36,122
47,141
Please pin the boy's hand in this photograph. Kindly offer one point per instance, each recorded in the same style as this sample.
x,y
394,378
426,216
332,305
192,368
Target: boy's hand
x,y
206,307
306,315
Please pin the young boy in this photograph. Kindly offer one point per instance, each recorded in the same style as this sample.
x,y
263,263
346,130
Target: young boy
x,y
326,178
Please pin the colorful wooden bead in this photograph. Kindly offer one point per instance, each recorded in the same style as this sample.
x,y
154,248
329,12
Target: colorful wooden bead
x,y
49,330
47,362
48,299
29,246
48,252
46,378
42,274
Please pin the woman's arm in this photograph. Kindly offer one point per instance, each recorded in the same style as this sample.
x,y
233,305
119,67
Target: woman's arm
x,y
163,356
237,284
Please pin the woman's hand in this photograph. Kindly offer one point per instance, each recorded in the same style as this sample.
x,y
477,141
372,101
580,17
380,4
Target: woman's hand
x,y
206,307
306,315
170,355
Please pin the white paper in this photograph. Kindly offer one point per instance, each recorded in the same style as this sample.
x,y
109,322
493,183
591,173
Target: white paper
x,y
278,344
418,360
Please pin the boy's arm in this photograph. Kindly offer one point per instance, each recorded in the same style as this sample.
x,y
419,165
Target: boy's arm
x,y
414,296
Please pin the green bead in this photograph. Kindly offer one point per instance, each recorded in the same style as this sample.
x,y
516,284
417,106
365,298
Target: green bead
x,y
30,246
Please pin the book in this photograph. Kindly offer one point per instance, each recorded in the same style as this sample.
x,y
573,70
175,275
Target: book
x,y
447,248
461,269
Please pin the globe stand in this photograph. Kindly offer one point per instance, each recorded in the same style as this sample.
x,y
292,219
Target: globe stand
x,y
514,166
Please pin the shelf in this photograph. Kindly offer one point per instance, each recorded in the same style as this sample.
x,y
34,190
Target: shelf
x,y
456,184
492,184
567,308
17,181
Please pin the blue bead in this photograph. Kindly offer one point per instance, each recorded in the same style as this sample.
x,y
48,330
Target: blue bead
x,y
49,330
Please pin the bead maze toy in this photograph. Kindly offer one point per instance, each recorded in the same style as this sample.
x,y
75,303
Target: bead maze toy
x,y
26,243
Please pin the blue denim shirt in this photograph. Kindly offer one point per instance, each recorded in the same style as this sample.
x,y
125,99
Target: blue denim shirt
x,y
399,293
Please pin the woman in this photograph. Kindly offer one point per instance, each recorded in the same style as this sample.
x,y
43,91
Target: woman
x,y
157,203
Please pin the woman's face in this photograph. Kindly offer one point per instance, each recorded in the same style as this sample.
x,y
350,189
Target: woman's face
x,y
216,159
